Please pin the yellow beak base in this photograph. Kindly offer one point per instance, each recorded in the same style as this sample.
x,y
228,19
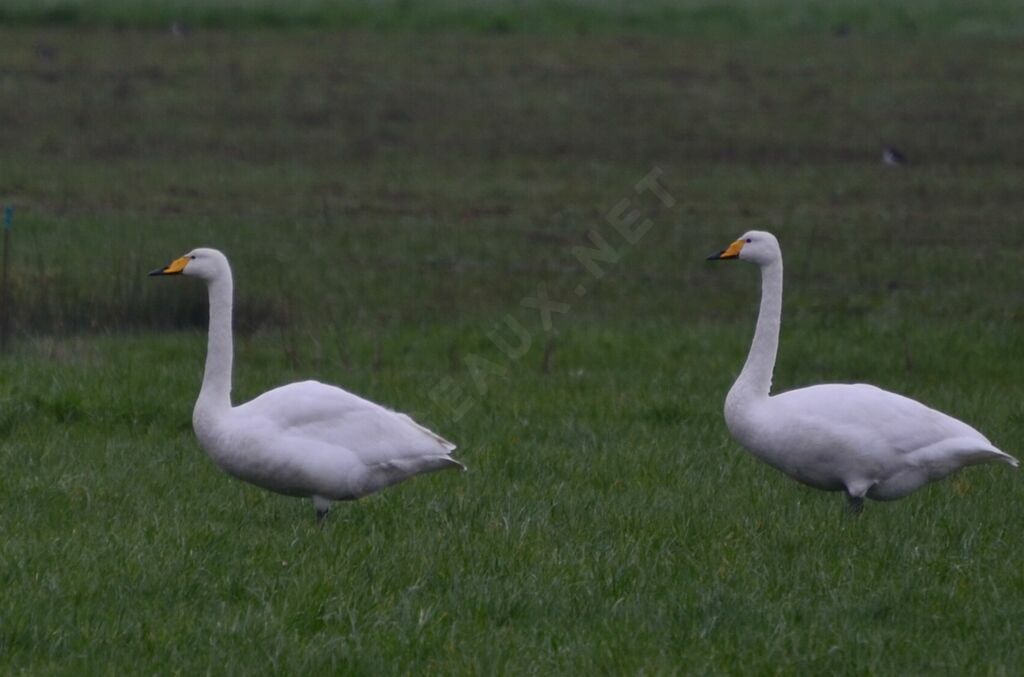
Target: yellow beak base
x,y
173,268
730,252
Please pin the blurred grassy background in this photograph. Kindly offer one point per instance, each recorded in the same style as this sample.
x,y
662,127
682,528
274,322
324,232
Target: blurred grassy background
x,y
666,17
444,177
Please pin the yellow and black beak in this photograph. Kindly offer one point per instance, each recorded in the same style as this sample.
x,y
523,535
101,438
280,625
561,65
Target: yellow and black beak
x,y
173,268
730,252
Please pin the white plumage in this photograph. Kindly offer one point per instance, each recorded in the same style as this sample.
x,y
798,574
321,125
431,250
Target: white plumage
x,y
304,439
851,437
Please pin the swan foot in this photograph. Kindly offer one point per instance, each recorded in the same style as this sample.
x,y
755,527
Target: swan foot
x,y
320,515
854,504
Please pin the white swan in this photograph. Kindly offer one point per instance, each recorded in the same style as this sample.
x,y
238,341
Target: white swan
x,y
303,439
851,437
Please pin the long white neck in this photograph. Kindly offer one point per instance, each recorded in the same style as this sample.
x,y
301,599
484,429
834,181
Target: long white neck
x,y
215,395
755,381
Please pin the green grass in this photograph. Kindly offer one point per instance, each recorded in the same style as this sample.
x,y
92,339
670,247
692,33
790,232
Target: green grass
x,y
387,201
606,523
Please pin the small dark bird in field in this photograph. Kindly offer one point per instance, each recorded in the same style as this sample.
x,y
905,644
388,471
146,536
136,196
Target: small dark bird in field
x,y
893,157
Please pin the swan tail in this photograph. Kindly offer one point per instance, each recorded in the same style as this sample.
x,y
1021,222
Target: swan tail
x,y
382,475
396,470
454,465
1003,457
992,455
963,451
425,464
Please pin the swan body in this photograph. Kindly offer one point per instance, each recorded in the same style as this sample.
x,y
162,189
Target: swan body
x,y
855,438
304,439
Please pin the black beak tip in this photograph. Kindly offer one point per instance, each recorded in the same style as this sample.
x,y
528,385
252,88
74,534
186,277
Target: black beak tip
x,y
158,271
713,257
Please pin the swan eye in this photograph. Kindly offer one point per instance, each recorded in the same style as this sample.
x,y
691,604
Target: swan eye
x,y
193,256
748,242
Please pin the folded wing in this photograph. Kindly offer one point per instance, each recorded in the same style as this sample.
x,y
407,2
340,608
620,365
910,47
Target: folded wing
x,y
872,419
320,413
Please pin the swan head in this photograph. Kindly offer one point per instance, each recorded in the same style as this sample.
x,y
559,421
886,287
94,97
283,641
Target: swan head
x,y
204,263
756,246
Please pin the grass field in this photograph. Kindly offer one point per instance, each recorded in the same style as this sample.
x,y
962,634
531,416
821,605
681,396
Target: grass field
x,y
388,199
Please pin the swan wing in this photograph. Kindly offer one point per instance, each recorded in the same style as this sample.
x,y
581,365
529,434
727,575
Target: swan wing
x,y
314,412
870,419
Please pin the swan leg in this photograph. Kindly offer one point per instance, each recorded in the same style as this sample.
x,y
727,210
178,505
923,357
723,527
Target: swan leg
x,y
856,490
323,506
